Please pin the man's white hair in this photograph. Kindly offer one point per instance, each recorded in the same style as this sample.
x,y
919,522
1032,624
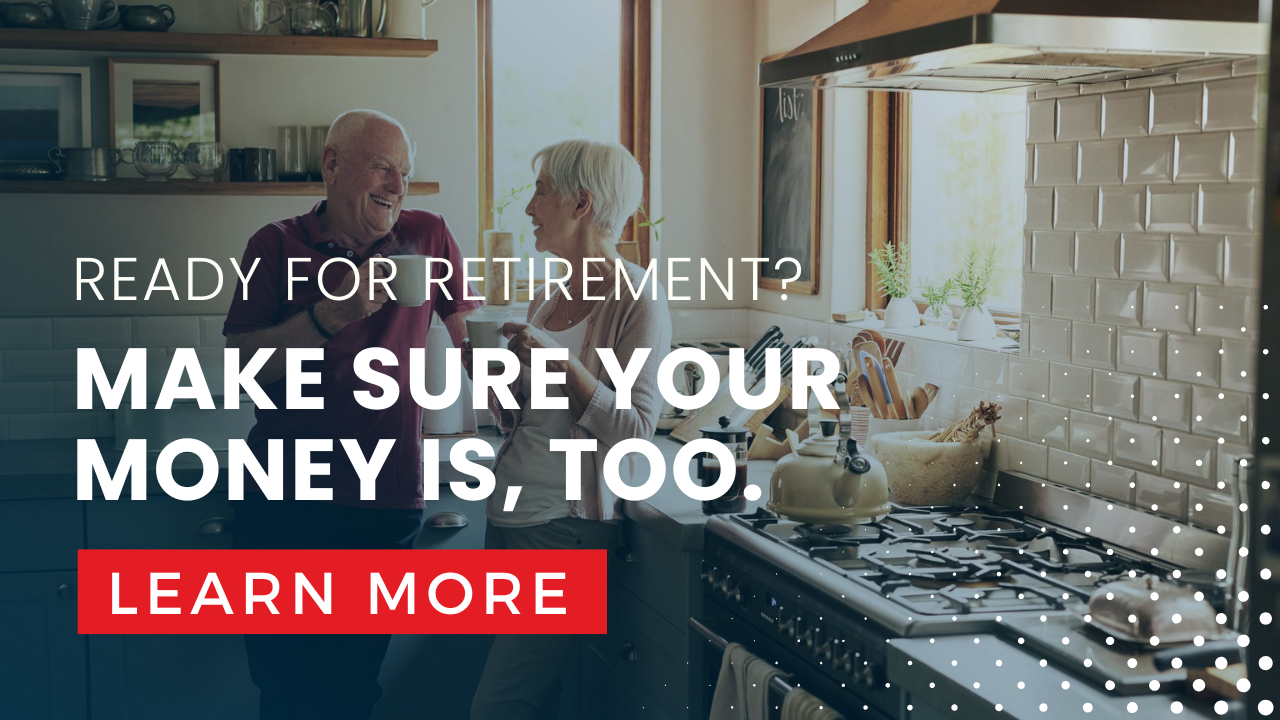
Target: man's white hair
x,y
604,169
349,125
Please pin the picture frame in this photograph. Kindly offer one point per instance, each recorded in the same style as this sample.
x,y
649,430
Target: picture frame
x,y
163,99
43,107
790,211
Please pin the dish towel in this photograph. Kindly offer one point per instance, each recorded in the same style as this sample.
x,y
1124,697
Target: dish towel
x,y
802,705
742,690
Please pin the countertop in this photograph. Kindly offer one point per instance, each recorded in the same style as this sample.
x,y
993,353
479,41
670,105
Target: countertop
x,y
38,469
985,676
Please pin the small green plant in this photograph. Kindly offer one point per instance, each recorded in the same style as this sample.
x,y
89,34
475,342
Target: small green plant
x,y
893,266
503,202
973,282
651,224
938,294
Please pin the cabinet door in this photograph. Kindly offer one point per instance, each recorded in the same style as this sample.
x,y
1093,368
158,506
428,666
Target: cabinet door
x,y
41,656
162,676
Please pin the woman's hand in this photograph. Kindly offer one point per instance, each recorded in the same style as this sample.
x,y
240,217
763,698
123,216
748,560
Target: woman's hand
x,y
524,339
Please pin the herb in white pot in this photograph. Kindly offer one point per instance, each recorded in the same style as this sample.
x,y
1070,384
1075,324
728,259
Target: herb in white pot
x,y
973,284
893,267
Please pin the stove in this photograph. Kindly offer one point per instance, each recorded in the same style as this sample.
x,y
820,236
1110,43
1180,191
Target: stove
x,y
822,601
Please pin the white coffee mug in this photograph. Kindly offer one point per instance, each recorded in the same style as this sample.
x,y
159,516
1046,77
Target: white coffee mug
x,y
409,284
484,328
406,18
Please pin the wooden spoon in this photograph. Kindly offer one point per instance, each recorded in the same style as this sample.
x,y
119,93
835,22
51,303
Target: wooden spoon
x,y
891,378
919,401
930,391
864,389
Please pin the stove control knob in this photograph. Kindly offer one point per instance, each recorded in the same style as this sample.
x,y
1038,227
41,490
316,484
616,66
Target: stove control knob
x,y
710,576
809,637
788,627
823,651
844,662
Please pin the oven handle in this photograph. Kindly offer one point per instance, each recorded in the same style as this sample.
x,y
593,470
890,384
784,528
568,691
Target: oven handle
x,y
777,684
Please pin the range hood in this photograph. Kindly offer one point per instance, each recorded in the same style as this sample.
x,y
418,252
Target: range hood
x,y
995,45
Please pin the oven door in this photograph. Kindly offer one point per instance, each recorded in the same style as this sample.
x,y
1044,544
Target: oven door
x,y
719,626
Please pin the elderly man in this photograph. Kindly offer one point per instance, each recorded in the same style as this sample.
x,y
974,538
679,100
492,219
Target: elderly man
x,y
366,166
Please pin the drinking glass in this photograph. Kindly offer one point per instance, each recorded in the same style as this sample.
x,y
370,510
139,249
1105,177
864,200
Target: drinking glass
x,y
292,153
256,15
205,160
155,160
315,152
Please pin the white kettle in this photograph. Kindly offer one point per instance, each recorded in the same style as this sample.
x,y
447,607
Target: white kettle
x,y
826,481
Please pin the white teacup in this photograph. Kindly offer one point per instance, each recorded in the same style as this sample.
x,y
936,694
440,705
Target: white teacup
x,y
484,328
409,284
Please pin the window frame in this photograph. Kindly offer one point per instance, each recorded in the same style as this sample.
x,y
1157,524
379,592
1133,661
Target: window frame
x,y
635,113
889,191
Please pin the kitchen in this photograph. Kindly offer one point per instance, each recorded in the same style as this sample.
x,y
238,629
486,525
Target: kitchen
x,y
1058,404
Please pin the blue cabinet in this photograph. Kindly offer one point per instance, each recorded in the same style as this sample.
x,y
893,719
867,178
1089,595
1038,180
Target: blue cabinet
x,y
41,656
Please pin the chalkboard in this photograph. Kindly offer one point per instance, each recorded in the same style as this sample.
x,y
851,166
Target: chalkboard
x,y
790,187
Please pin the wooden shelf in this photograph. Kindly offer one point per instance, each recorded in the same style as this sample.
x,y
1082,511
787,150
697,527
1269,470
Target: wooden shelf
x,y
182,187
213,43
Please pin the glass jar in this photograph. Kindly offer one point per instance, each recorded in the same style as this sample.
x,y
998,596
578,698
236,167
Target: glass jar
x,y
938,317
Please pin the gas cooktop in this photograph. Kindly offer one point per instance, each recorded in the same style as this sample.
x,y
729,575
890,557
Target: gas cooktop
x,y
950,560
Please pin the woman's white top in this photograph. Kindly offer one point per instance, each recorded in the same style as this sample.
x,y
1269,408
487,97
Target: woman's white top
x,y
529,461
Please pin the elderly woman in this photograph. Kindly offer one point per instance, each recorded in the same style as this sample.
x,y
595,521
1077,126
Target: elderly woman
x,y
584,194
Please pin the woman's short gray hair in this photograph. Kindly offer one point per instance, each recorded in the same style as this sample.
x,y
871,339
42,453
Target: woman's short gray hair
x,y
604,169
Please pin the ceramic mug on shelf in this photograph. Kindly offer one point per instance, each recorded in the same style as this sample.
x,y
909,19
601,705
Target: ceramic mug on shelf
x,y
25,14
87,14
309,17
146,18
405,18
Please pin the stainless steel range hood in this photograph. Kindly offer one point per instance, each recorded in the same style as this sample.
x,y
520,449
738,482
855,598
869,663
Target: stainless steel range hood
x,y
994,45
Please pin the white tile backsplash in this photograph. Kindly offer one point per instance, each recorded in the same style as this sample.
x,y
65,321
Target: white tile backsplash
x,y
1209,509
1246,155
1112,481
1013,415
1119,302
1165,403
1024,457
1189,457
1224,311
1136,446
1028,377
1126,114
1201,157
1093,345
1141,352
1037,295
1171,208
1055,164
1169,306
1075,208
1073,297
1101,162
1070,386
1050,339
1068,469
1097,254
1176,109
1195,259
1232,104
1148,160
1123,209
1163,496
1193,359
1048,425
1227,208
1242,261
1144,257
1051,252
1222,414
1091,434
1041,118
1039,208
1239,360
1115,395
1080,118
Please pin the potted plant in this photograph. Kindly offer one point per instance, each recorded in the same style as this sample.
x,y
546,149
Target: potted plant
x,y
973,284
938,296
498,244
893,266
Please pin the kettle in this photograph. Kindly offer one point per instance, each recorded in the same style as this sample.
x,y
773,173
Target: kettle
x,y
827,481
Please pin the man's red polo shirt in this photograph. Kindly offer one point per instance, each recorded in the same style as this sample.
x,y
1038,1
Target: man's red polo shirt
x,y
393,327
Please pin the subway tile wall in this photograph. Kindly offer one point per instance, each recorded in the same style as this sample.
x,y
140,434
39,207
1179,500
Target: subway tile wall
x,y
38,367
1134,381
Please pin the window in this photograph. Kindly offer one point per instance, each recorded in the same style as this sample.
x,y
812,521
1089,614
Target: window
x,y
552,70
948,170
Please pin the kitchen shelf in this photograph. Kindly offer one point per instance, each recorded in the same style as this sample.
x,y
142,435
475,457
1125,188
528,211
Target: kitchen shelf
x,y
182,187
213,43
